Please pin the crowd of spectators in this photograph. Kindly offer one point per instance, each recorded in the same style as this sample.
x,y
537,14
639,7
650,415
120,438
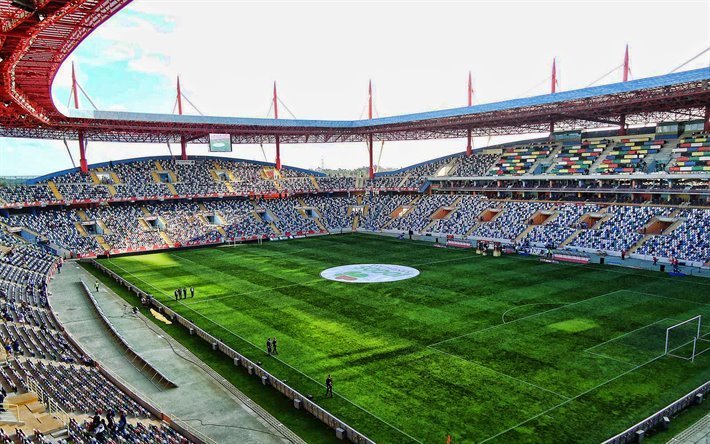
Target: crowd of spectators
x,y
36,349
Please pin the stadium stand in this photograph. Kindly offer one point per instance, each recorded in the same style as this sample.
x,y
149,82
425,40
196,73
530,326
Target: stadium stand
x,y
692,154
38,356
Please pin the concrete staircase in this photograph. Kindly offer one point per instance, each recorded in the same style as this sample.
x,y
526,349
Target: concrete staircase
x,y
80,228
598,161
29,414
145,211
640,243
572,237
55,191
315,183
166,238
111,190
356,222
158,166
172,189
82,215
102,243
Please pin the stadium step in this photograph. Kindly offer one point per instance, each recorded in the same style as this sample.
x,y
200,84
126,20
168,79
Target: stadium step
x,y
102,243
115,178
80,228
82,215
571,238
166,238
144,225
202,206
156,177
158,165
639,244
95,178
145,211
103,226
404,180
229,187
275,229
429,225
314,182
673,226
356,222
172,189
359,199
600,159
525,232
111,190
55,191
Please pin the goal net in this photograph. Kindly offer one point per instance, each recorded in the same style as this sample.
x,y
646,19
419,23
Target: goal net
x,y
685,339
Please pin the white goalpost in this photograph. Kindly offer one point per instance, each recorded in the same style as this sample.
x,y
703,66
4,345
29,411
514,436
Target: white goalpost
x,y
684,334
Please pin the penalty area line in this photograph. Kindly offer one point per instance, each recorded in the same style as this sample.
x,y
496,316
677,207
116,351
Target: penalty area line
x,y
523,318
544,412
277,359
522,381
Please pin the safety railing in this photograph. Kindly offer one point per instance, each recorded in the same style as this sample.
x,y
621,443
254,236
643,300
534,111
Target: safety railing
x,y
136,360
635,433
300,401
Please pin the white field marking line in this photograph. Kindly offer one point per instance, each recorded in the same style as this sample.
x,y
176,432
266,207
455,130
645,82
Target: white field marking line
x,y
605,268
544,412
229,296
277,359
300,372
668,297
201,300
523,318
609,357
502,317
627,333
522,381
445,260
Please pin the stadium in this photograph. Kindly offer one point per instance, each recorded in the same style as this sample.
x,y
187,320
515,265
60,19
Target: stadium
x,y
544,282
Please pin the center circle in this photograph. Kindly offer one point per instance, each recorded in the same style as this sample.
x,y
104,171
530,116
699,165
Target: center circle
x,y
369,273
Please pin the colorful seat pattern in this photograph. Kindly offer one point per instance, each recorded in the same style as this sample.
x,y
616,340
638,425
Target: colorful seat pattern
x,y
628,155
517,161
576,158
693,154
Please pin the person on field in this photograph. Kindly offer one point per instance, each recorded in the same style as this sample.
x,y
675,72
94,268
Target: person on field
x,y
192,292
268,346
274,345
329,386
97,286
176,294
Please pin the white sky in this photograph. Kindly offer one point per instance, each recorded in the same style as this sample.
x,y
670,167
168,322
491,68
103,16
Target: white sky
x,y
322,54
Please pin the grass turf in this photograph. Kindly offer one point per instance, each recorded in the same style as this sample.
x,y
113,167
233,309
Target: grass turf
x,y
485,349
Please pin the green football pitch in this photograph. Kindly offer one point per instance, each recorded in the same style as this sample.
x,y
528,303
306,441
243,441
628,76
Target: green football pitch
x,y
484,349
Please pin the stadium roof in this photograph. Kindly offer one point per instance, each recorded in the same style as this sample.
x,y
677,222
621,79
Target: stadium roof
x,y
667,80
33,47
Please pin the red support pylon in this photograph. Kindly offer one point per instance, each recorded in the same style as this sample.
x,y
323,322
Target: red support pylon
x,y
183,142
370,145
627,69
553,88
626,64
278,142
83,164
469,144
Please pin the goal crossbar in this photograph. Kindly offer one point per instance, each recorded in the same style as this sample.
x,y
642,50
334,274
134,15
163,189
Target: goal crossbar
x,y
696,337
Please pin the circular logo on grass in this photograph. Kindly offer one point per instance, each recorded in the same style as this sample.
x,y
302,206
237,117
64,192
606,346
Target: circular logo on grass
x,y
368,273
